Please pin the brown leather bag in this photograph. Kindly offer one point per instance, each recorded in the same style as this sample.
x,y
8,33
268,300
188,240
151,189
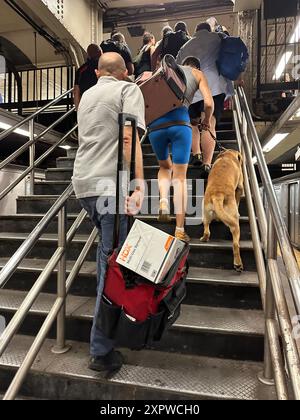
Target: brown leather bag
x,y
163,90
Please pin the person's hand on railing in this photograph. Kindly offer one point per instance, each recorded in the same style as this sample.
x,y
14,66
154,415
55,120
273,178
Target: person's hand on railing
x,y
240,82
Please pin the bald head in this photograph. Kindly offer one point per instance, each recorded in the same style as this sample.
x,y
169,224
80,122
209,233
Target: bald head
x,y
94,52
112,64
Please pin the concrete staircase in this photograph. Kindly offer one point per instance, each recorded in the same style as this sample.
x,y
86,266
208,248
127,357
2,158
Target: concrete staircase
x,y
214,351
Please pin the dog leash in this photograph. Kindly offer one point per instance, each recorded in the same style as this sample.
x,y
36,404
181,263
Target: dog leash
x,y
218,144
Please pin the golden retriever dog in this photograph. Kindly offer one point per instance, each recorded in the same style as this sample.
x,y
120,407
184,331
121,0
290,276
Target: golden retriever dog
x,y
222,199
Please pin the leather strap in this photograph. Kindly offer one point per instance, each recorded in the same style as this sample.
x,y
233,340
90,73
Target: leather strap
x,y
218,144
170,124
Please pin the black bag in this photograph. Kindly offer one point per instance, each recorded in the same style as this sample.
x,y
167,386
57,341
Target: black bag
x,y
142,62
111,46
173,42
135,312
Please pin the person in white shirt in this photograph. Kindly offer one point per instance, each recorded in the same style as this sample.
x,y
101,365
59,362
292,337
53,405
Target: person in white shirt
x,y
205,45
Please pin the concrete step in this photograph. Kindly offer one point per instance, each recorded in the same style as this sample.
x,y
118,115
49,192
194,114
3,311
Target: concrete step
x,y
196,186
50,187
31,211
146,376
150,159
206,287
214,254
26,222
65,162
65,174
40,204
59,174
218,332
71,153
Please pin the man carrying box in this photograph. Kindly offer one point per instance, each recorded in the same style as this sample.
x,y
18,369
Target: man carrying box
x,y
95,174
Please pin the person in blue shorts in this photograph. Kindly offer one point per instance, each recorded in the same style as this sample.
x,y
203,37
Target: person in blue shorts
x,y
173,132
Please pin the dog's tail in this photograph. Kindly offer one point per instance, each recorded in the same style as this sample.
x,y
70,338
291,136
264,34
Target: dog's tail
x,y
218,202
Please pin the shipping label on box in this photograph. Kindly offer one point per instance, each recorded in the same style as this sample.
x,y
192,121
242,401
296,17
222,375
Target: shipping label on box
x,y
149,252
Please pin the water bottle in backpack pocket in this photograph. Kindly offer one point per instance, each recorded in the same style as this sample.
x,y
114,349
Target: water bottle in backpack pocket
x,y
233,58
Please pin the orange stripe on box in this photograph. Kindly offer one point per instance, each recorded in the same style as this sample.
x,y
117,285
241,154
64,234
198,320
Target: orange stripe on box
x,y
169,243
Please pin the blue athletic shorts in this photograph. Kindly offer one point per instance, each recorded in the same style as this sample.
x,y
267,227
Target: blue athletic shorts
x,y
177,138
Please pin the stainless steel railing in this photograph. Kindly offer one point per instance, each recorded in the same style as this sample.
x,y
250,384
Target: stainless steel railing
x,y
58,310
268,232
33,164
64,283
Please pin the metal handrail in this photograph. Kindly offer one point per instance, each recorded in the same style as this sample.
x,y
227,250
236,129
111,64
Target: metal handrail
x,y
274,297
58,260
19,378
10,268
31,144
35,164
10,130
25,146
284,240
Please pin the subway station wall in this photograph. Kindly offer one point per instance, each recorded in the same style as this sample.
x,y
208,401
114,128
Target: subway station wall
x,y
81,18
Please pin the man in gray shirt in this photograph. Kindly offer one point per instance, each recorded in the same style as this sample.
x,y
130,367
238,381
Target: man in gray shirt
x,y
95,174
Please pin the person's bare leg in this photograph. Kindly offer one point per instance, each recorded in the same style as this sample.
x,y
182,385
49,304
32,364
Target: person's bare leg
x,y
180,198
208,144
164,182
196,149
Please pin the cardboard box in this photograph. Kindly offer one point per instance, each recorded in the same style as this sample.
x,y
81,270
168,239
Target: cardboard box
x,y
149,252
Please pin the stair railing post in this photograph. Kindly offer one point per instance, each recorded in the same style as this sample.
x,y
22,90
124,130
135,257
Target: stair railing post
x,y
267,377
31,157
61,346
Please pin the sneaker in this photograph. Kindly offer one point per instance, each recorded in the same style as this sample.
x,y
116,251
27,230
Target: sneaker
x,y
112,362
182,236
164,213
197,160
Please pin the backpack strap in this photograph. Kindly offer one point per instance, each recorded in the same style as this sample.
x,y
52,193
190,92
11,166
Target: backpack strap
x,y
168,125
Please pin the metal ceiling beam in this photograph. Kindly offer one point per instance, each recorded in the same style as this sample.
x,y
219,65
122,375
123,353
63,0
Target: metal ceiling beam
x,y
142,14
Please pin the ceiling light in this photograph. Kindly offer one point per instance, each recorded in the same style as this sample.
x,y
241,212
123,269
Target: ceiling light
x,y
278,138
19,131
295,116
282,65
65,147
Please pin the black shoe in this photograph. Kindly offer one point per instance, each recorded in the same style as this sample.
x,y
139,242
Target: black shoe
x,y
112,362
196,160
205,171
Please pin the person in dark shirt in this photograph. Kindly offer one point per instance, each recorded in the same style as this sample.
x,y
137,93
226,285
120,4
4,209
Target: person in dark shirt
x,y
117,44
172,42
142,62
158,48
86,75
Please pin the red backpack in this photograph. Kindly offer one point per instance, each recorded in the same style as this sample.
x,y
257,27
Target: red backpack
x,y
133,311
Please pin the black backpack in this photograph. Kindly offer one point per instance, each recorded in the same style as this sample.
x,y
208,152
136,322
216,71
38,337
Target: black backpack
x,y
142,62
111,46
173,42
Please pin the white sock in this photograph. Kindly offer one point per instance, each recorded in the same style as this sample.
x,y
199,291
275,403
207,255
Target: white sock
x,y
180,229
